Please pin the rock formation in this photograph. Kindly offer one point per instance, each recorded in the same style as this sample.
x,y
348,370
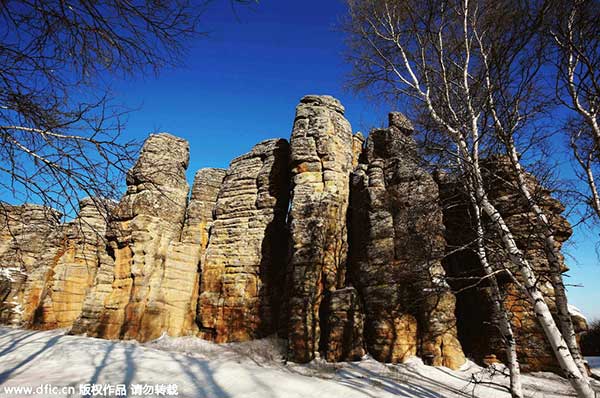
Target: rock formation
x,y
146,283
358,141
342,330
321,162
199,217
29,241
476,318
74,267
200,214
242,274
397,246
342,245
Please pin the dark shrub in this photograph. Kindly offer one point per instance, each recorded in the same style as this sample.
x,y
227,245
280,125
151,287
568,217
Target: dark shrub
x,y
590,341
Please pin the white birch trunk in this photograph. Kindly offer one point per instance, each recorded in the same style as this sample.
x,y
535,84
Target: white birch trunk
x,y
586,165
553,254
411,80
516,389
594,189
542,312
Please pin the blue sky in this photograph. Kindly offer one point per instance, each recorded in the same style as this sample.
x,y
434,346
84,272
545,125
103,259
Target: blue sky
x,y
241,84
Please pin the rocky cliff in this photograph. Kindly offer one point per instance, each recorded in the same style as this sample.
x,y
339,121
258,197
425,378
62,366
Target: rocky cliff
x,y
397,249
243,270
340,244
476,318
320,163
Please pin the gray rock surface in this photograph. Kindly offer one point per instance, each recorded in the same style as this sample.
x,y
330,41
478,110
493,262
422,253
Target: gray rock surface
x,y
321,162
396,249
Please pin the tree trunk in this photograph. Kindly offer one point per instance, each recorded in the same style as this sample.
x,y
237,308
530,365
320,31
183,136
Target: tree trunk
x,y
516,389
553,255
542,312
594,190
589,175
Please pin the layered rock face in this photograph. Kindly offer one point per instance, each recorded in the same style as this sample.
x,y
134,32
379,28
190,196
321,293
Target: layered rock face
x,y
242,274
343,324
358,142
397,246
74,267
476,318
321,162
30,239
199,217
146,284
337,243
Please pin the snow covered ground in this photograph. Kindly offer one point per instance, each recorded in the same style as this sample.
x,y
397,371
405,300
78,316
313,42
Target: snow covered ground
x,y
242,370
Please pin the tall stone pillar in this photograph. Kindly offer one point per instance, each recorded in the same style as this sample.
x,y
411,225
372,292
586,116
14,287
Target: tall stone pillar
x,y
242,273
143,288
397,246
321,162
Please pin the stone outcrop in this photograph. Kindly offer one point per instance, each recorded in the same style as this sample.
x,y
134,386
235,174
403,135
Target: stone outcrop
x,y
342,330
146,283
342,245
199,218
200,215
397,246
242,274
476,318
74,267
30,237
358,141
321,162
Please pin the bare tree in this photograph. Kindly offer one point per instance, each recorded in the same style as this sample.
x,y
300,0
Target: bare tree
x,y
60,133
575,31
472,67
504,325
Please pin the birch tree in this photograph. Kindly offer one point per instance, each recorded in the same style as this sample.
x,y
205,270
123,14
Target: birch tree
x,y
575,32
458,61
503,321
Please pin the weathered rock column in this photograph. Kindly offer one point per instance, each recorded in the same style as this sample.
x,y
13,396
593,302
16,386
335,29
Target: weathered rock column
x,y
29,242
475,312
397,244
199,217
183,260
321,162
74,267
199,221
358,141
342,330
242,274
138,294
